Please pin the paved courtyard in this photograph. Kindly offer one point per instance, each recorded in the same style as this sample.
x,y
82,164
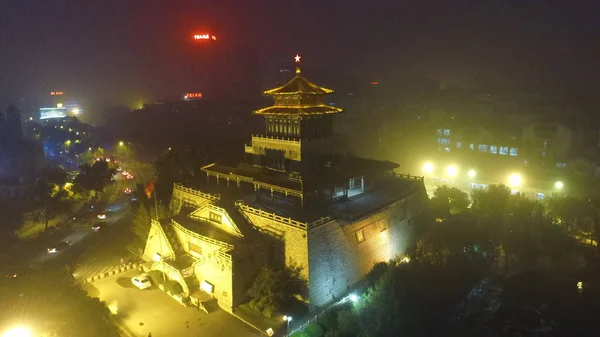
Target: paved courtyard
x,y
153,311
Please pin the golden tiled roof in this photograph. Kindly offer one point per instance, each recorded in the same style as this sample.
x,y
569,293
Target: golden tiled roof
x,y
299,85
298,110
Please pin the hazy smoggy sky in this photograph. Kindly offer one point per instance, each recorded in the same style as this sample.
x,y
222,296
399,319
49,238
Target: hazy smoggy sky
x,y
122,50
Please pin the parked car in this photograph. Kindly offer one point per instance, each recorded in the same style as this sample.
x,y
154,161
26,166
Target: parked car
x,y
59,247
102,215
141,281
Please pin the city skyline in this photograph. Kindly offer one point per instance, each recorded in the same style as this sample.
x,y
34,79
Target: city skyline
x,y
116,52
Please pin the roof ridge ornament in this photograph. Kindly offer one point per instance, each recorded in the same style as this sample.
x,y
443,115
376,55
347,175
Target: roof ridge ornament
x,y
297,62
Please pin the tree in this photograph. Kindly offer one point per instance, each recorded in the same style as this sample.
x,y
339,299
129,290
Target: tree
x,y
94,178
448,201
50,195
274,289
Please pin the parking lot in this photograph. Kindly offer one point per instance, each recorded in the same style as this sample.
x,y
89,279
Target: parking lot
x,y
153,311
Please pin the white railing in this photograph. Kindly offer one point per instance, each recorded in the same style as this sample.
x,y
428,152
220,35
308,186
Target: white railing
x,y
181,188
320,222
289,141
186,231
408,177
271,216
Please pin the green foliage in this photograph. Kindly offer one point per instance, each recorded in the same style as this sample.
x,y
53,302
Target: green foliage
x,y
273,289
94,178
51,198
54,305
449,201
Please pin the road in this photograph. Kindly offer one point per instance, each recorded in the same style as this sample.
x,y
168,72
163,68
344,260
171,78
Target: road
x,y
153,311
117,207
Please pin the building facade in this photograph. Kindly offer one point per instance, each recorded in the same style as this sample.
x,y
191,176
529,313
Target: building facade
x,y
299,201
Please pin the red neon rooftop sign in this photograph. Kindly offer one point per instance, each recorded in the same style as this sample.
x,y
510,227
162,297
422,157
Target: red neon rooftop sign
x,y
204,37
193,95
56,93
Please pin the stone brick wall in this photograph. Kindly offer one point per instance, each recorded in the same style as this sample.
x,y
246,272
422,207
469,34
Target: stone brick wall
x,y
218,272
190,199
157,243
339,257
295,240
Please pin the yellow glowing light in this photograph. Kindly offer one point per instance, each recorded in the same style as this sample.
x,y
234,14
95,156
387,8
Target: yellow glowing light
x,y
76,111
452,171
17,332
68,142
428,168
405,259
297,58
559,185
59,105
472,173
515,180
121,143
30,118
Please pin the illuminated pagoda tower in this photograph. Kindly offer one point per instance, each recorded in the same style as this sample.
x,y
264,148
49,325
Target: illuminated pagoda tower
x,y
300,155
299,200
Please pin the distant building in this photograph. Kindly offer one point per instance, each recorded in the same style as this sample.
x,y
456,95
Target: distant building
x,y
299,200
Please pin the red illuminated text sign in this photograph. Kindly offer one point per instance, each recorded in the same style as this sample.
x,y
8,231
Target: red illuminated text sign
x,y
56,93
193,95
374,83
204,37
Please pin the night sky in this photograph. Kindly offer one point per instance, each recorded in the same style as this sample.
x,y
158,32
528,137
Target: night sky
x,y
123,50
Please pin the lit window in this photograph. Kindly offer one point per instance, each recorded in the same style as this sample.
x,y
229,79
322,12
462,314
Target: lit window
x,y
447,149
482,147
561,165
493,149
514,151
360,235
439,132
503,150
539,196
215,217
458,145
443,141
446,132
472,146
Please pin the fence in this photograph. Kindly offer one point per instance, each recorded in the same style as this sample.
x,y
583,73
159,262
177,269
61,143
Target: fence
x,y
271,216
212,197
116,271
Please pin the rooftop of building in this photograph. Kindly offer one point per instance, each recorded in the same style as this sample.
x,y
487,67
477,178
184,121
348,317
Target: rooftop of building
x,y
299,85
390,189
298,110
242,245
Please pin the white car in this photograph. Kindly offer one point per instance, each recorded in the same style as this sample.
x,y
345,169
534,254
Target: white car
x,y
141,282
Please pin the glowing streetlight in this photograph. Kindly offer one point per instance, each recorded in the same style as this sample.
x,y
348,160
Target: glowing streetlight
x,y
515,180
353,298
452,171
121,143
288,319
559,185
472,173
18,332
428,168
76,111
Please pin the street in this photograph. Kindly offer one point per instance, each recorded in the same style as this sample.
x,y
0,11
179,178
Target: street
x,y
153,311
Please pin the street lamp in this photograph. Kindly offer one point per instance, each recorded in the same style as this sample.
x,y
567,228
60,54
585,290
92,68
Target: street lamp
x,y
472,173
288,319
123,144
17,332
515,180
428,168
353,298
452,171
559,185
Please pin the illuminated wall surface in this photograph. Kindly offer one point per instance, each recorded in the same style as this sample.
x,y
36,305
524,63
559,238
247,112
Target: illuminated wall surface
x,y
333,256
